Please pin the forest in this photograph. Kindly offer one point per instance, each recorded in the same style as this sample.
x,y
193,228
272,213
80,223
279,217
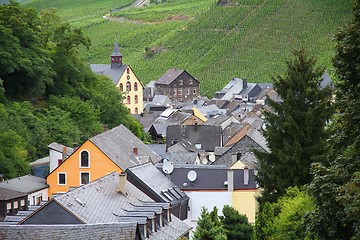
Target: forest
x,y
47,93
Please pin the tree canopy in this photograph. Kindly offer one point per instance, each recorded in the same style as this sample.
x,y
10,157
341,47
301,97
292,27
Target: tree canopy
x,y
47,93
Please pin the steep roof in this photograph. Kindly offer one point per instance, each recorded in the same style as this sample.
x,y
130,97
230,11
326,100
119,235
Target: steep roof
x,y
121,231
60,148
170,75
154,181
118,144
113,73
26,184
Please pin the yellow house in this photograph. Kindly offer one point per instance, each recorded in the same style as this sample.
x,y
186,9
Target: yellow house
x,y
124,79
114,150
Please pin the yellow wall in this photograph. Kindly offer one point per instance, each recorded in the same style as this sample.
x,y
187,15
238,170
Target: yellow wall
x,y
123,80
245,202
100,165
198,114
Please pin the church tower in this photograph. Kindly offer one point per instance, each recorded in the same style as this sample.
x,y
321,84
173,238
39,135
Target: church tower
x,y
116,57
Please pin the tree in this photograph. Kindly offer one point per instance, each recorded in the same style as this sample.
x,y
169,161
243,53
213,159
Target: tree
x,y
336,186
26,66
209,227
264,225
236,225
295,129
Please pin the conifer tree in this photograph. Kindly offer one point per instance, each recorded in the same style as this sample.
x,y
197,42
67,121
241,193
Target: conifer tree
x,y
295,128
209,227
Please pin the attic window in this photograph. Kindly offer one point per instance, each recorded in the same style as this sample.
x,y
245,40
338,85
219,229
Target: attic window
x,y
128,70
190,81
84,161
135,86
181,82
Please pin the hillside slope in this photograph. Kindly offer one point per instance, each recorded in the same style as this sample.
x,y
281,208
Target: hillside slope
x,y
241,38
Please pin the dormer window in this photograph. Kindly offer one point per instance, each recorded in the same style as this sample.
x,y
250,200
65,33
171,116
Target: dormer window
x,y
84,159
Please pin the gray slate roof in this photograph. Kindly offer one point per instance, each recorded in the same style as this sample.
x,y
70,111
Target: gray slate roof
x,y
113,73
250,160
118,144
41,161
211,110
154,180
209,177
26,184
159,149
121,231
60,148
208,136
7,194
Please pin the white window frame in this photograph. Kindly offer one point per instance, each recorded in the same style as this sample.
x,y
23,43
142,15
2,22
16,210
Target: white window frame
x,y
81,178
175,91
181,82
58,182
194,91
180,91
190,81
80,159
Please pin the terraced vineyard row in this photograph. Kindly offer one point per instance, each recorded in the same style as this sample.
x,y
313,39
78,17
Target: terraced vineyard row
x,y
246,38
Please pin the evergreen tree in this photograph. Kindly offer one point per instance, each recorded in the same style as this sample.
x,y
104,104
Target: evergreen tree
x,y
236,225
209,227
336,187
295,128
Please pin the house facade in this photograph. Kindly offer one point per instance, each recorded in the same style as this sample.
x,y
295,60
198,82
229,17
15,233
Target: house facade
x,y
114,150
125,79
179,85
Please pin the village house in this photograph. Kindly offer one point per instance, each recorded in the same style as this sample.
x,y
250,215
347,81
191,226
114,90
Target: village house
x,y
114,150
125,79
178,85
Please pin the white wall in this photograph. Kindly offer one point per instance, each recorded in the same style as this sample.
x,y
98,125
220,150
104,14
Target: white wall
x,y
43,193
54,156
207,199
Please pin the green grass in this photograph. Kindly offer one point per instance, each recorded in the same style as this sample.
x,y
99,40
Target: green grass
x,y
249,38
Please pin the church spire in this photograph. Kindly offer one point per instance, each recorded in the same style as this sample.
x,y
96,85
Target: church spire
x,y
116,57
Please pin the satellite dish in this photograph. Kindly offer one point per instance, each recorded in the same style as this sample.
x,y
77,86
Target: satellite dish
x,y
204,161
168,166
192,175
212,157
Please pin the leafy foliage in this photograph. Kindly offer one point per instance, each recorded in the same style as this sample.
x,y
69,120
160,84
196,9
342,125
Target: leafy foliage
x,y
286,218
336,186
68,103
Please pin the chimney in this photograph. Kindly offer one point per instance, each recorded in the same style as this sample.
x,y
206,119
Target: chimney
x,y
64,154
246,175
233,158
75,146
230,176
135,150
122,182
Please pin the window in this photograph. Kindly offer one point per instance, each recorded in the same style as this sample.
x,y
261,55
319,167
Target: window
x,y
194,90
188,91
84,178
84,159
136,111
62,179
128,100
190,81
128,70
121,87
135,86
128,86
136,99
175,92
181,82
180,91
